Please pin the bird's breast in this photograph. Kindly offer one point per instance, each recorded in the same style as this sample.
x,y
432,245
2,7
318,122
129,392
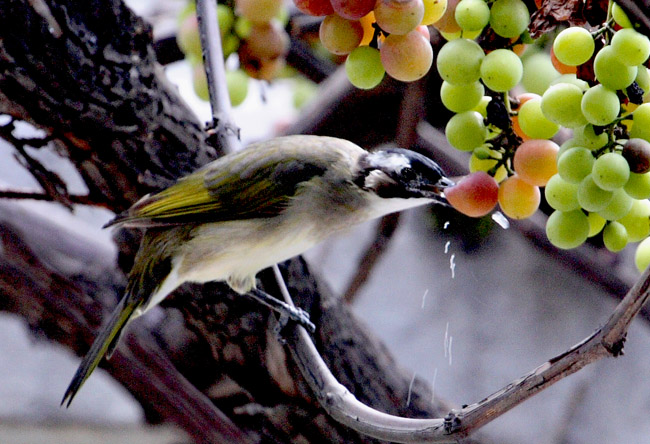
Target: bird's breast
x,y
237,251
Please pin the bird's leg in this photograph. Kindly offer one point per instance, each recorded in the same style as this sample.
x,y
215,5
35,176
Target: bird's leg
x,y
286,311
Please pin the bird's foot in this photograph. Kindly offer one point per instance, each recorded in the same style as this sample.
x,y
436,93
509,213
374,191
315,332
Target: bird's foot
x,y
288,313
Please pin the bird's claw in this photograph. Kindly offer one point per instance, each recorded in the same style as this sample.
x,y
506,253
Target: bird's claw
x,y
297,315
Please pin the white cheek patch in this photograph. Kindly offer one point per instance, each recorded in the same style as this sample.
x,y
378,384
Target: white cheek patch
x,y
375,179
390,161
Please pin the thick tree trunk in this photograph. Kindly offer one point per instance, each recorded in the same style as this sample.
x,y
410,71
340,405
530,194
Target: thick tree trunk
x,y
85,72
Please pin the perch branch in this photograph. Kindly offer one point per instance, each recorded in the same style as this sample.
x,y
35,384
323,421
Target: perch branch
x,y
344,407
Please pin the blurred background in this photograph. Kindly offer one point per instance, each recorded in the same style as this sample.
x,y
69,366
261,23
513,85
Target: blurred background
x,y
466,305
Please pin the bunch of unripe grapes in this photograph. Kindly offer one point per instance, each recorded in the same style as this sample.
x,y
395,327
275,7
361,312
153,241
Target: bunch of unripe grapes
x,y
378,36
598,180
254,29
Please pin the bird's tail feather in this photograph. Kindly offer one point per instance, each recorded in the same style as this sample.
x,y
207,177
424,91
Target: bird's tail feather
x,y
105,342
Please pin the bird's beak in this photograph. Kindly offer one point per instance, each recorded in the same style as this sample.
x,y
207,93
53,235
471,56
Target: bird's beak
x,y
437,190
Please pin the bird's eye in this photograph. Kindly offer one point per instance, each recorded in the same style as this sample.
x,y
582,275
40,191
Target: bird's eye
x,y
408,174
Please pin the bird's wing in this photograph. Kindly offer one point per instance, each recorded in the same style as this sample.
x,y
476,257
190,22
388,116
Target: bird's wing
x,y
254,183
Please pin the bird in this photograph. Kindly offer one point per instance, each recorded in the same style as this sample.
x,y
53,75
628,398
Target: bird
x,y
254,208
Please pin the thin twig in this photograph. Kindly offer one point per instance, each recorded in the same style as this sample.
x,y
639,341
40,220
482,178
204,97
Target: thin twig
x,y
222,126
384,233
73,198
43,10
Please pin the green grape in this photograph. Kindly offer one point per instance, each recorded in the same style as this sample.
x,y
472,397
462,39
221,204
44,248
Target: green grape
x,y
340,36
618,206
611,72
574,46
642,255
482,152
237,84
567,145
615,237
509,18
620,17
471,35
406,57
638,186
600,105
459,98
466,131
596,223
230,43
561,195
242,27
487,164
641,122
538,72
501,69
561,103
572,79
630,47
187,37
363,67
567,229
637,220
481,107
586,136
226,19
189,8
433,10
533,122
472,15
449,36
459,61
611,171
200,82
591,196
575,164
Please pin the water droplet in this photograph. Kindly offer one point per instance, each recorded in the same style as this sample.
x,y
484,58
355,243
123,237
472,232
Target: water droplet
x,y
500,219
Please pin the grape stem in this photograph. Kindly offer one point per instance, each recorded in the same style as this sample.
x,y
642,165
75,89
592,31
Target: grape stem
x,y
374,43
506,101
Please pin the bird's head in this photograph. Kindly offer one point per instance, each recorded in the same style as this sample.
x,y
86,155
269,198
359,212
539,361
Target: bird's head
x,y
402,174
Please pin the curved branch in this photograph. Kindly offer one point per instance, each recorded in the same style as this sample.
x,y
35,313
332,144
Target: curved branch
x,y
344,407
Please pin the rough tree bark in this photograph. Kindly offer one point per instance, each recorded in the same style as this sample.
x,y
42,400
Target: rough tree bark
x,y
85,72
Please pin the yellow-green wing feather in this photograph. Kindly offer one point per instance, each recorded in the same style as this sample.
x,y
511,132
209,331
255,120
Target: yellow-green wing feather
x,y
256,182
104,342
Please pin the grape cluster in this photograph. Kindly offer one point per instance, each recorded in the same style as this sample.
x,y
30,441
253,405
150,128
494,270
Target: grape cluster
x,y
254,29
378,36
593,84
